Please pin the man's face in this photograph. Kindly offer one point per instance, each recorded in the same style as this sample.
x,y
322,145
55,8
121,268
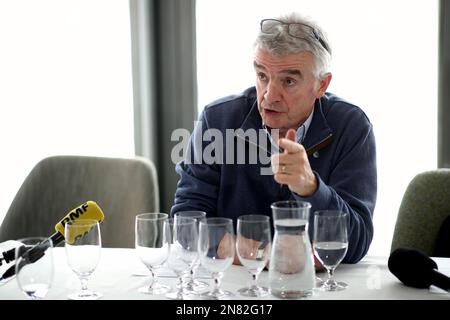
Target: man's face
x,y
286,88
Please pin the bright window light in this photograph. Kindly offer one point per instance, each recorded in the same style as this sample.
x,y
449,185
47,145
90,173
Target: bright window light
x,y
65,84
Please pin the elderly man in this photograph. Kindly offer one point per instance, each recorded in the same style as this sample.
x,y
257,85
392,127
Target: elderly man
x,y
325,146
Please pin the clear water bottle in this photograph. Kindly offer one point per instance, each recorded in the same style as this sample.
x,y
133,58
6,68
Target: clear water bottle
x,y
291,268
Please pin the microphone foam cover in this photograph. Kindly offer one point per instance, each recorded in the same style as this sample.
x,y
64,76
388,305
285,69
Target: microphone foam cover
x,y
88,210
412,267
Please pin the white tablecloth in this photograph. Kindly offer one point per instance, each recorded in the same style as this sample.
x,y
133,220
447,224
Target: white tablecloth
x,y
119,275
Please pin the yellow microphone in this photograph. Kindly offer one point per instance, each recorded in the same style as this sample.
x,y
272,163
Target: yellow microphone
x,y
87,210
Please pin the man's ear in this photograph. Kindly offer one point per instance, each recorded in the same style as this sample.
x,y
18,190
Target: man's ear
x,y
323,84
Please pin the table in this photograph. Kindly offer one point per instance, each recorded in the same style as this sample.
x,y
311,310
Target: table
x,y
120,274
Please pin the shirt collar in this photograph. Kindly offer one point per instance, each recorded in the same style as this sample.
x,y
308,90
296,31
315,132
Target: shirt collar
x,y
303,129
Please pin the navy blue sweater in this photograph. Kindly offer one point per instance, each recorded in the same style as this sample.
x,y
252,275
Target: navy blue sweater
x,y
345,170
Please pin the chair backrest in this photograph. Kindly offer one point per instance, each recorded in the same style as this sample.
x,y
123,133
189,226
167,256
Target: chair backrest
x,y
425,205
123,188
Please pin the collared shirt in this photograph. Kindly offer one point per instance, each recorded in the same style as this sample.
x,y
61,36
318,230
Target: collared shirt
x,y
301,133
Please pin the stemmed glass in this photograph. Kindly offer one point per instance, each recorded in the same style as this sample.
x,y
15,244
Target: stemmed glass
x,y
152,239
330,244
34,268
183,251
216,249
253,249
194,284
83,247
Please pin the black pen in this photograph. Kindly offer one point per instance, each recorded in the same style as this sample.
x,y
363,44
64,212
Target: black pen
x,y
322,144
318,146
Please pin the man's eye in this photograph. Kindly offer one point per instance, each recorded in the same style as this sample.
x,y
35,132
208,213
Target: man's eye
x,y
262,76
290,82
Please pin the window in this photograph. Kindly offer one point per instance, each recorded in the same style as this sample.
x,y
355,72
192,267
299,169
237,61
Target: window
x,y
65,84
384,60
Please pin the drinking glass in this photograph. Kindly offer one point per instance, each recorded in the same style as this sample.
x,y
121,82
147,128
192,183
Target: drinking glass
x,y
152,246
330,244
216,249
83,247
253,249
34,266
183,252
194,284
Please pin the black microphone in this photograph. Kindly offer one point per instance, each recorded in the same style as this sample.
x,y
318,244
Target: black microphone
x,y
88,210
416,269
9,255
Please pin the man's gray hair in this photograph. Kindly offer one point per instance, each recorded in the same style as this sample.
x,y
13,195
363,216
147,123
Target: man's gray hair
x,y
282,43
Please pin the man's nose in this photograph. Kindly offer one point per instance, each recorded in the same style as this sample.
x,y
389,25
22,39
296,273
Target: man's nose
x,y
272,92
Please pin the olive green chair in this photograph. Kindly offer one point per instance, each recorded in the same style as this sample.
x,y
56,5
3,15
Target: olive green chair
x,y
121,187
424,207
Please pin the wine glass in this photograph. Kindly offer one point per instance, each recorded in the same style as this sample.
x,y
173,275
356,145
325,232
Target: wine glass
x,y
83,247
152,246
330,244
253,249
183,251
34,266
216,248
194,284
